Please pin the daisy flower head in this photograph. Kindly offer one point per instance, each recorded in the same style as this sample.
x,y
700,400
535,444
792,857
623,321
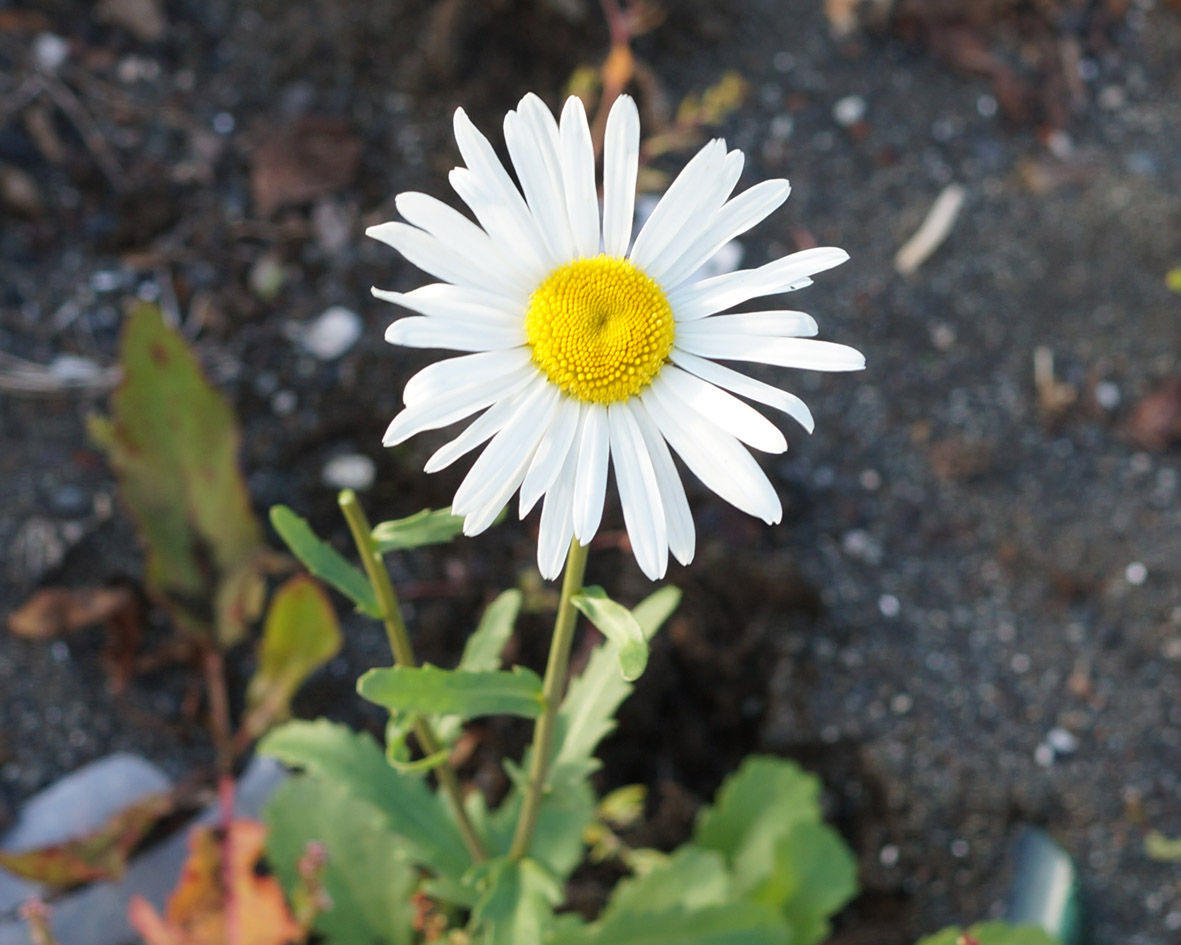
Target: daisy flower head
x,y
586,349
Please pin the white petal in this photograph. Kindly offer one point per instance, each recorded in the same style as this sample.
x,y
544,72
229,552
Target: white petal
x,y
621,155
429,254
742,213
455,334
557,524
484,427
675,208
533,148
578,176
491,180
678,517
717,459
510,447
448,408
639,493
590,484
784,352
446,377
442,300
781,324
465,240
746,387
551,454
724,410
505,224
700,299
686,228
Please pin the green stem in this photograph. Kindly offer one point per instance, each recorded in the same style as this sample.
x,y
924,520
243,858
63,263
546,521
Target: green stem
x,y
551,693
395,631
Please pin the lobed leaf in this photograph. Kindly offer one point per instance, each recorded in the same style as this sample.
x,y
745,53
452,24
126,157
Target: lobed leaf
x,y
366,874
428,527
300,634
691,878
324,561
353,760
434,691
619,626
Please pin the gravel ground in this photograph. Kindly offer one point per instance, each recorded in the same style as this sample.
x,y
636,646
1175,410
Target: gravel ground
x,y
969,619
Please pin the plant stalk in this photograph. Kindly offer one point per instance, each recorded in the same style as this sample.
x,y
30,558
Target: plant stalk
x,y
552,690
399,639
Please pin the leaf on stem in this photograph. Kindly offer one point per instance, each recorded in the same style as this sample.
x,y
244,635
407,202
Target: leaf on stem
x,y
366,874
619,626
199,913
173,441
428,527
735,923
324,561
484,647
517,906
433,691
428,833
100,855
691,878
300,635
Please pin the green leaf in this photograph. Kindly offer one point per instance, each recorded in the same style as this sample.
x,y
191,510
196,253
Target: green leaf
x,y
299,636
814,876
433,691
558,838
367,875
422,528
517,906
482,651
618,625
736,923
993,933
656,608
324,561
1157,846
1173,279
691,878
353,760
173,441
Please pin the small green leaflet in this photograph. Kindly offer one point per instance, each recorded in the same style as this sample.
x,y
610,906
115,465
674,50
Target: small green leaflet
x,y
517,906
428,527
619,626
432,691
484,647
324,561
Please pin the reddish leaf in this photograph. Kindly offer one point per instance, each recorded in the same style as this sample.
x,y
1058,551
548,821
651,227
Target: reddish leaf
x,y
204,911
100,855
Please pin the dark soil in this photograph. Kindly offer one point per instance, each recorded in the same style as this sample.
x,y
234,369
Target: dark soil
x,y
969,620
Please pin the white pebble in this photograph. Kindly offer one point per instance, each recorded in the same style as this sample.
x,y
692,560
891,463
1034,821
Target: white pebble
x,y
1063,742
332,333
1043,755
889,605
350,471
848,110
50,51
888,855
1135,574
1107,395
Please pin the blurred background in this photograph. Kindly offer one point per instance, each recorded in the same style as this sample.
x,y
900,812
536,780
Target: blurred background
x,y
968,622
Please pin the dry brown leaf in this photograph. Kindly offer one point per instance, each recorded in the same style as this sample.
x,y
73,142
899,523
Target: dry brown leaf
x,y
57,611
1155,421
315,156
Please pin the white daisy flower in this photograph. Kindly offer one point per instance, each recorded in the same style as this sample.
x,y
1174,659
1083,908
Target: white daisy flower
x,y
588,349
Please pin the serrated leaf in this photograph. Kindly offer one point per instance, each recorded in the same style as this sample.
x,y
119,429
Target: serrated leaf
x,y
618,625
173,441
517,906
692,878
434,691
813,877
300,634
99,855
992,933
367,876
737,923
324,561
656,608
428,527
484,647
354,760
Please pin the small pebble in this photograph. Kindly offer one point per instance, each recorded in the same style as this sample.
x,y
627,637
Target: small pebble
x,y
69,501
986,106
889,855
889,605
871,480
960,848
1107,395
332,333
902,703
1063,742
50,51
223,123
284,402
849,110
1020,663
1043,755
1135,574
106,280
350,471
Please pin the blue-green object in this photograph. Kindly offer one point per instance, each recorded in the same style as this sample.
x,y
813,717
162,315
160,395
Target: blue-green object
x,y
1045,889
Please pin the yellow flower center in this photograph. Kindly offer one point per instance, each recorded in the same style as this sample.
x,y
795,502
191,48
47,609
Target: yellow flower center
x,y
600,329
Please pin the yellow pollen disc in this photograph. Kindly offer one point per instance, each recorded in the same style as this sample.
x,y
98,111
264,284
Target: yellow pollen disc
x,y
600,329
